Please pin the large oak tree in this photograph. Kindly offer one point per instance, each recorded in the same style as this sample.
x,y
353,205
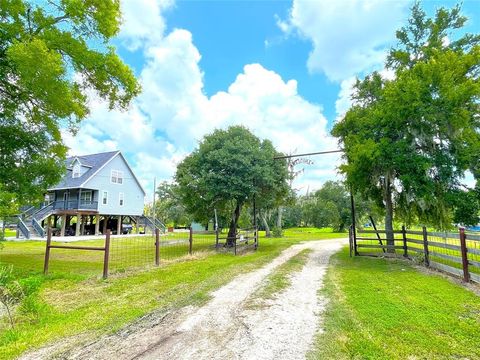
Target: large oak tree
x,y
227,170
410,140
51,53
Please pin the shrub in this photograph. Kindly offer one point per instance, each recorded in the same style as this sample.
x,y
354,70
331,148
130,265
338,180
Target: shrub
x,y
11,292
277,232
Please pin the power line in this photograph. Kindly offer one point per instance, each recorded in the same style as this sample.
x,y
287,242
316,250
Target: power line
x,y
314,153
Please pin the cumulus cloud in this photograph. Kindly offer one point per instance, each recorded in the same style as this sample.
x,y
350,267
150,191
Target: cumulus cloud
x,y
348,37
344,101
173,113
142,21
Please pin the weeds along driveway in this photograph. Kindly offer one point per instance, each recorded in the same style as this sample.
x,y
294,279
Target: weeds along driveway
x,y
228,326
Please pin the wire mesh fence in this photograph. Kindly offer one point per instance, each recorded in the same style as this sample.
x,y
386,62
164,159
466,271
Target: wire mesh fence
x,y
129,252
244,239
177,244
120,253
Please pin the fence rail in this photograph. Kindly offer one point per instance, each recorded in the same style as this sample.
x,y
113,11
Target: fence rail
x,y
243,240
455,253
122,253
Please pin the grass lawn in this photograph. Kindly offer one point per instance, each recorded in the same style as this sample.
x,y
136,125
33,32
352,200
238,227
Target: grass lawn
x,y
386,309
313,233
10,233
73,299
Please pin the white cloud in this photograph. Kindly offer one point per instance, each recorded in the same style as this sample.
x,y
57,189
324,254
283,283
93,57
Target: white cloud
x,y
173,113
344,100
142,21
348,36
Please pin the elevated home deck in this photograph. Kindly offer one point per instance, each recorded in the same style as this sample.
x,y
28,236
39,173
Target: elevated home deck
x,y
62,207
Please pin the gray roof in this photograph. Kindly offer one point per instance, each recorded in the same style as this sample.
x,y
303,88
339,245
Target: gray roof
x,y
93,161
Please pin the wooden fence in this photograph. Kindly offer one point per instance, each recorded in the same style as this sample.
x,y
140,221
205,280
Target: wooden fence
x,y
455,253
129,252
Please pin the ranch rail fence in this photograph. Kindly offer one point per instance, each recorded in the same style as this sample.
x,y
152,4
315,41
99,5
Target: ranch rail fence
x,y
455,253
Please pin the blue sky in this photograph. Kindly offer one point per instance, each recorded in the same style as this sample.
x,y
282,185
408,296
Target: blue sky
x,y
282,68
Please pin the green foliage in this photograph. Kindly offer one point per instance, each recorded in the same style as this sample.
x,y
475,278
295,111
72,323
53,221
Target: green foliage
x,y
277,232
228,169
169,207
50,54
466,207
386,309
293,215
328,207
409,141
72,300
11,292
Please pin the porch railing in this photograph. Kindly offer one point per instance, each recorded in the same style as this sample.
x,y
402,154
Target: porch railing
x,y
149,222
43,212
75,204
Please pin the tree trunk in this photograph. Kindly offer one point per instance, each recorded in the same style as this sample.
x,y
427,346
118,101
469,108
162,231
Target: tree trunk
x,y
279,217
232,231
265,224
389,214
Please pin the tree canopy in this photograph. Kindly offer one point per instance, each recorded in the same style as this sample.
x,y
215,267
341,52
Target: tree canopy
x,y
51,54
329,206
227,170
168,207
409,140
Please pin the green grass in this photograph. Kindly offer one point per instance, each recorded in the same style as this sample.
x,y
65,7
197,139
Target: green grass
x,y
73,300
279,279
313,234
386,309
10,233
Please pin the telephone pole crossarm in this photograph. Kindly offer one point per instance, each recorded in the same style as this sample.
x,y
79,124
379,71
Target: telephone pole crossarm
x,y
308,154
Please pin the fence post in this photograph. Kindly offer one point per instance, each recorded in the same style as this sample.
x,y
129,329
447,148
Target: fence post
x,y
405,248
216,238
190,240
463,249
235,239
47,251
106,254
425,246
157,247
350,242
354,233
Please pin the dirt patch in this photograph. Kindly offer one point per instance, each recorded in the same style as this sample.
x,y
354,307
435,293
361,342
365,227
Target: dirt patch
x,y
224,328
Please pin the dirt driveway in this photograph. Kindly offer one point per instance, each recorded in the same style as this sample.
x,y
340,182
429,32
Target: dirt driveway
x,y
225,328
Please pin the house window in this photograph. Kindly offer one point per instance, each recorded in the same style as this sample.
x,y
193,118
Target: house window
x,y
76,171
85,197
117,177
104,197
120,199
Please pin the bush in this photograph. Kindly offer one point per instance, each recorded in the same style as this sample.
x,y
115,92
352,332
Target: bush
x,y
11,292
277,232
31,308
